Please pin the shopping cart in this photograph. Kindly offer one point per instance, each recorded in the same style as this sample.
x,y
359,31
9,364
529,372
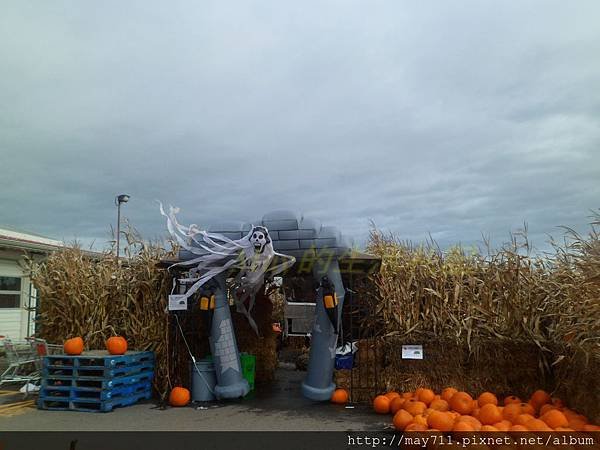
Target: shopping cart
x,y
25,359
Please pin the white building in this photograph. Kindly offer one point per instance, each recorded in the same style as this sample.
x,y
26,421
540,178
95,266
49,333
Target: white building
x,y
17,294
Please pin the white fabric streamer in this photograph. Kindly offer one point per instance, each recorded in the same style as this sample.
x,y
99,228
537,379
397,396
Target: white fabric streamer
x,y
251,255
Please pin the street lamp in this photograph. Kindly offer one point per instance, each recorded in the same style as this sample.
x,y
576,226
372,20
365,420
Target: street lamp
x,y
123,198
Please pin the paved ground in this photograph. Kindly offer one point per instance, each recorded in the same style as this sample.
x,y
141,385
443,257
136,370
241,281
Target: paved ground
x,y
277,407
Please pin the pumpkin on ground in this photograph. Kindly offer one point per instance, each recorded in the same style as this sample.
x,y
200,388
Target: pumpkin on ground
x,y
392,394
539,398
424,410
179,396
462,403
414,407
73,346
116,345
485,398
396,404
511,399
340,396
448,393
401,419
440,420
381,404
489,414
555,419
426,396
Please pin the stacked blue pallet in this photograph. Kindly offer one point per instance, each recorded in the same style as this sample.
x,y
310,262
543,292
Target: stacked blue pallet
x,y
95,381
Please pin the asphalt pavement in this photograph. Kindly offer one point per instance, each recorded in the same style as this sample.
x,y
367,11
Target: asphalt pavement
x,y
277,406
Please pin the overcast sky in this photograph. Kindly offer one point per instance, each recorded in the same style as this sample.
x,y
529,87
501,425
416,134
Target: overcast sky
x,y
454,118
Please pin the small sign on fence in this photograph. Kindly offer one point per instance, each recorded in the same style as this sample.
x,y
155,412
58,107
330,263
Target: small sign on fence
x,y
412,352
177,302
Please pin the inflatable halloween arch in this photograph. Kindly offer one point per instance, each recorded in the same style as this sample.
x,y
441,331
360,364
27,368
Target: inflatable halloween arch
x,y
238,257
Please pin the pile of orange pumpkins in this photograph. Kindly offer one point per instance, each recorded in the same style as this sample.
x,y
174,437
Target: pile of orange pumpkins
x,y
116,345
456,411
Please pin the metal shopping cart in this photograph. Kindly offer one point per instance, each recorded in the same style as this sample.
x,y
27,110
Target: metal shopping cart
x,y
24,359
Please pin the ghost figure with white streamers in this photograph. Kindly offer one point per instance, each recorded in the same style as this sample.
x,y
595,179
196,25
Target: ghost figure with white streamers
x,y
251,255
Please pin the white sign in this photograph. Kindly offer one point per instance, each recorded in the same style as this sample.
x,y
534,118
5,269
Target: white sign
x,y
412,352
177,302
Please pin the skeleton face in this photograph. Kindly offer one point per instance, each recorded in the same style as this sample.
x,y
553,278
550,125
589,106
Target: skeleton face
x,y
259,239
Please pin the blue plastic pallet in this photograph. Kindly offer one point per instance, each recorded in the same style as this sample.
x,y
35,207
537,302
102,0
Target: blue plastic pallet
x,y
94,372
74,393
58,382
91,405
98,359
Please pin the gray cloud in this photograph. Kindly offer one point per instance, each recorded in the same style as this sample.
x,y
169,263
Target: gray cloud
x,y
454,119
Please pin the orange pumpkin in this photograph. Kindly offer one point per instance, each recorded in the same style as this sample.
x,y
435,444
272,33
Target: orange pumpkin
x,y
489,414
381,404
440,420
439,405
539,398
447,393
415,426
396,404
462,403
511,399
73,346
487,397
475,424
340,396
401,419
392,394
414,407
512,411
426,396
522,419
179,396
537,425
116,345
527,408
463,425
555,419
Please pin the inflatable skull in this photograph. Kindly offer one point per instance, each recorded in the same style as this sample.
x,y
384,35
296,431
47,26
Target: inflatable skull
x,y
259,239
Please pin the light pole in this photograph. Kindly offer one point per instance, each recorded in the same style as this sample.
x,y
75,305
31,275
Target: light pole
x,y
123,198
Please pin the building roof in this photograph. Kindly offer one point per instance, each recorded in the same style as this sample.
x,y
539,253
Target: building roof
x,y
27,241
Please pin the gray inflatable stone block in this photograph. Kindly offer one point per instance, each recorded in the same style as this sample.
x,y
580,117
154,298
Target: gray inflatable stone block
x,y
310,224
330,232
307,243
274,235
290,234
281,220
224,227
300,253
307,234
281,225
326,243
286,245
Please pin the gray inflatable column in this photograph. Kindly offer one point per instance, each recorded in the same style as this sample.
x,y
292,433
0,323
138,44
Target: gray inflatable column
x,y
230,382
318,384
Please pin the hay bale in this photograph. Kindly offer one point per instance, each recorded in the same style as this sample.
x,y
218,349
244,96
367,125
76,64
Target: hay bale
x,y
263,346
302,360
501,367
576,375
